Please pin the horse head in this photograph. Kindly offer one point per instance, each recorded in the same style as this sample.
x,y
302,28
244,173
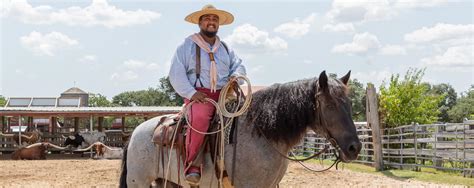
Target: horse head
x,y
334,116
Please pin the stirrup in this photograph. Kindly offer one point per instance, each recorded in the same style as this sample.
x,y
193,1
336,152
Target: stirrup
x,y
193,178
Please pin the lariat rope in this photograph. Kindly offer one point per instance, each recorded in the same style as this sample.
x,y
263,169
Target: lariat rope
x,y
222,112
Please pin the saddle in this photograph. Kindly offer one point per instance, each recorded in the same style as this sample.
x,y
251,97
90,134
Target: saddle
x,y
167,127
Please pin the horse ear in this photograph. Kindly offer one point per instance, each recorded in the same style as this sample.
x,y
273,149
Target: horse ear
x,y
345,79
323,81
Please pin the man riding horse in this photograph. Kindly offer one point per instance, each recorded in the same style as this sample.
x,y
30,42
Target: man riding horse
x,y
196,77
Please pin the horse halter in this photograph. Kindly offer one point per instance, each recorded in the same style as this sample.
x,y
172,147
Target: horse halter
x,y
326,148
324,124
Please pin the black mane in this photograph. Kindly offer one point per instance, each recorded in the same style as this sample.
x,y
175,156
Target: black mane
x,y
282,112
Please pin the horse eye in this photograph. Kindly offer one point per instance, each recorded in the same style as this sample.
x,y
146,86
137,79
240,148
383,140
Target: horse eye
x,y
330,107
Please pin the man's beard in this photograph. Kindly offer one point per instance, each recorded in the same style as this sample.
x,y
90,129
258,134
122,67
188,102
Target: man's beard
x,y
208,33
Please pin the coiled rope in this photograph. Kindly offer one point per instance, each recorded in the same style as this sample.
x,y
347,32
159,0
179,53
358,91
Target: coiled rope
x,y
222,112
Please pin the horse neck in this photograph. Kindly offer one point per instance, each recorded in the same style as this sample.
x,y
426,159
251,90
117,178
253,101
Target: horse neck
x,y
284,117
261,143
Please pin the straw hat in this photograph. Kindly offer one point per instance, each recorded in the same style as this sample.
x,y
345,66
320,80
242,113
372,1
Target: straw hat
x,y
224,16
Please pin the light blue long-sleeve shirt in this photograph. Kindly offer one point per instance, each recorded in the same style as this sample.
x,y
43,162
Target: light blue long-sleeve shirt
x,y
183,68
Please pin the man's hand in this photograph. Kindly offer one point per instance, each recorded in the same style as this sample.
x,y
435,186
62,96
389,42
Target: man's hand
x,y
234,81
199,97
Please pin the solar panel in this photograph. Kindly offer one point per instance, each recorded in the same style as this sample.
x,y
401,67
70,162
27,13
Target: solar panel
x,y
19,102
43,102
69,101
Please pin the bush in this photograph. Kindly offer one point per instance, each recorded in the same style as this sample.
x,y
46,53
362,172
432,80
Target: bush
x,y
408,100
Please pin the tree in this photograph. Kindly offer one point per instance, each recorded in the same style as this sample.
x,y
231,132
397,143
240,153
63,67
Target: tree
x,y
448,100
407,100
125,99
163,95
357,96
98,100
173,97
3,101
150,97
464,107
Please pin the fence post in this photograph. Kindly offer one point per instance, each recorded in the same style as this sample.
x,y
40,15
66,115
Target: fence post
x,y
373,122
415,144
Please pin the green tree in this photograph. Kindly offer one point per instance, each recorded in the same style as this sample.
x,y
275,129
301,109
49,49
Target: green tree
x,y
407,100
150,97
464,107
125,99
448,100
163,95
3,101
357,96
173,97
98,100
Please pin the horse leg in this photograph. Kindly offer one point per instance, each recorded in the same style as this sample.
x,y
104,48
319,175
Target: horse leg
x,y
138,181
160,183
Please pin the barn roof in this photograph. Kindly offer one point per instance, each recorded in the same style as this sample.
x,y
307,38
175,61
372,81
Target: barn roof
x,y
74,90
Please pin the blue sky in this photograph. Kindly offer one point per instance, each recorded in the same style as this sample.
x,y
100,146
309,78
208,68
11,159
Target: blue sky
x,y
109,47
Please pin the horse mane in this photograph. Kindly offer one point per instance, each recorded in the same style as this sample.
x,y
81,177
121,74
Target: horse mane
x,y
283,112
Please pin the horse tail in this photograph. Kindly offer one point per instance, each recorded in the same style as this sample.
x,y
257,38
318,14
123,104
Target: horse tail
x,y
123,174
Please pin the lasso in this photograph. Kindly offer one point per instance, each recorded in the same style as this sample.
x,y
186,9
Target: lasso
x,y
222,112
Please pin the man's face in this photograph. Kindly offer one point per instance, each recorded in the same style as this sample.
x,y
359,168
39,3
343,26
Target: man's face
x,y
209,24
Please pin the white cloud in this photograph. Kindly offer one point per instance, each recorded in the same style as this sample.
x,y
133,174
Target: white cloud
x,y
442,32
340,27
393,50
124,76
376,77
256,69
99,12
458,56
88,59
249,38
356,11
134,64
296,28
153,66
419,3
19,71
129,68
140,65
308,61
361,43
46,44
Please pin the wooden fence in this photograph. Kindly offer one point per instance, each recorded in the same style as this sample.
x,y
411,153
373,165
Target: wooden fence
x,y
112,138
313,143
447,146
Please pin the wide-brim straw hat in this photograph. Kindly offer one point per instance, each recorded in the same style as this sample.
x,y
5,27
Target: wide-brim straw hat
x,y
224,16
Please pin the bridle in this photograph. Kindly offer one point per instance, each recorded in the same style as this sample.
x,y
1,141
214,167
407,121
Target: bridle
x,y
326,148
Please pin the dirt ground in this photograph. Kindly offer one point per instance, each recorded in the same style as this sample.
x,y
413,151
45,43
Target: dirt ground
x,y
105,173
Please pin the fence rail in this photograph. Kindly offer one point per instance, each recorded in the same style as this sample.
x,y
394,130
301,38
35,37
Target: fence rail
x,y
447,146
313,143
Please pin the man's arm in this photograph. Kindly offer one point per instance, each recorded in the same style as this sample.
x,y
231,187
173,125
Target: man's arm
x,y
178,77
236,66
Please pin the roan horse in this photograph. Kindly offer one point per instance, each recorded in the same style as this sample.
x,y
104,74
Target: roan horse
x,y
277,119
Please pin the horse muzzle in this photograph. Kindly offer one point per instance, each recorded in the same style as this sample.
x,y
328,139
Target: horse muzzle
x,y
350,152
